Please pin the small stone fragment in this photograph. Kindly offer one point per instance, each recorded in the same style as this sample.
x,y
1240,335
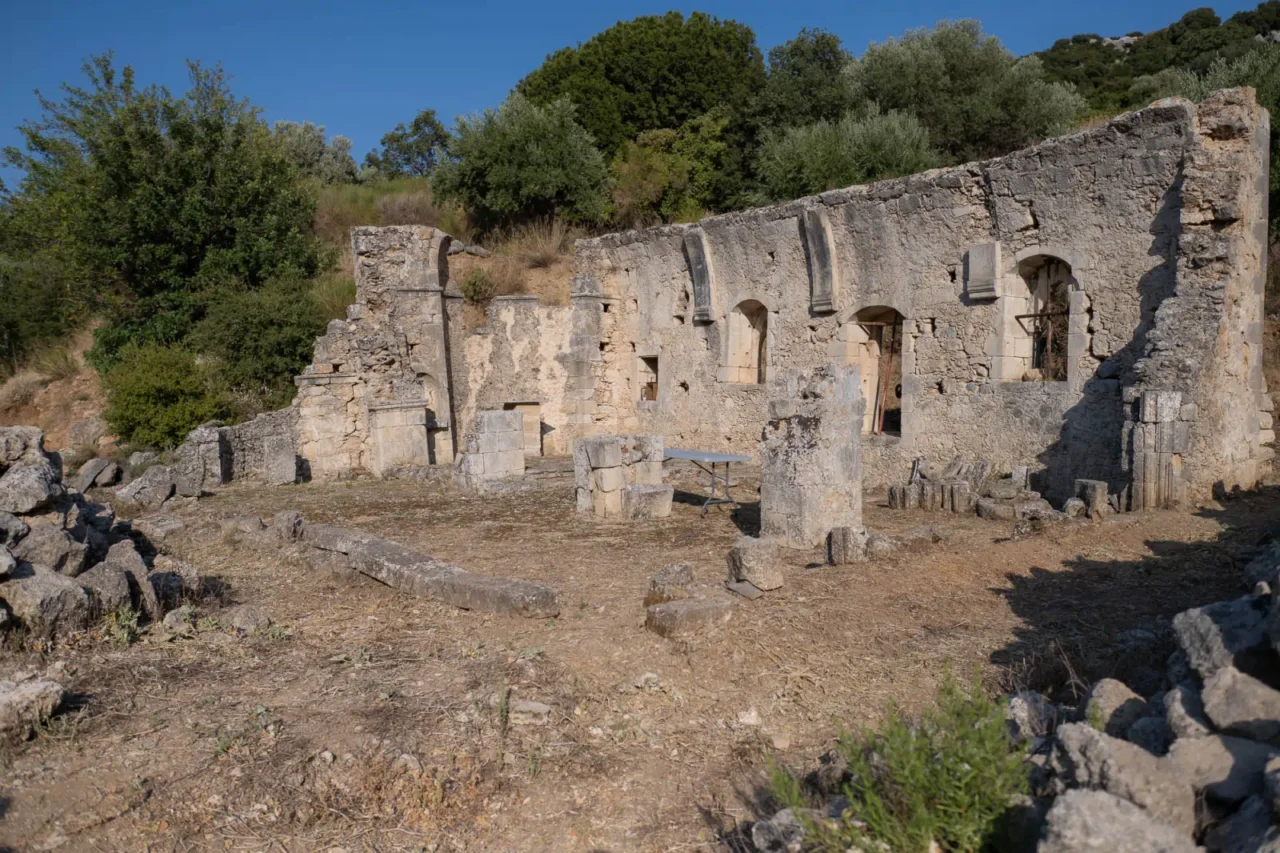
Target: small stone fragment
x,y
1184,711
756,561
1030,715
1112,705
1217,635
47,603
247,619
689,616
25,705
847,545
1227,769
1240,704
107,587
671,583
527,713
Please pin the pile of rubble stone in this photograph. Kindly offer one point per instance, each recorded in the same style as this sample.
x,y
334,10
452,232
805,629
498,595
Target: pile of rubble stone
x,y
969,487
1194,762
67,561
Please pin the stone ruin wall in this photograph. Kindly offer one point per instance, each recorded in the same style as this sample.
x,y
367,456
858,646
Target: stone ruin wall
x,y
1157,209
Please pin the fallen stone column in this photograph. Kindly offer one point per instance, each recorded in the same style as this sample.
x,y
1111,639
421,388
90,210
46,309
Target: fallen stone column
x,y
409,571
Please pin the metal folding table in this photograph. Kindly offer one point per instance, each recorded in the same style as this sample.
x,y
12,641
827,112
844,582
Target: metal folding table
x,y
703,458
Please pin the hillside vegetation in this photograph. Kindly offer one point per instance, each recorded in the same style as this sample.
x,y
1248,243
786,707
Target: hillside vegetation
x,y
210,248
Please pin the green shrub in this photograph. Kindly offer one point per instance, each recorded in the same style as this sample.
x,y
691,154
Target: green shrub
x,y
946,777
827,155
333,292
478,286
522,162
157,394
261,338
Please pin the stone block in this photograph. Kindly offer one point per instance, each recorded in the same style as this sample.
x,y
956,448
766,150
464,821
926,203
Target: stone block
x,y
961,497
1114,706
996,510
279,460
28,486
26,705
1184,711
689,616
820,250
504,420
643,501
52,548
107,587
1222,634
609,479
603,451
88,473
151,489
606,504
847,545
671,583
756,561
1227,769
701,272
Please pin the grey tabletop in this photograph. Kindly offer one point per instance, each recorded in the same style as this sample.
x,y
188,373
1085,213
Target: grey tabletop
x,y
704,455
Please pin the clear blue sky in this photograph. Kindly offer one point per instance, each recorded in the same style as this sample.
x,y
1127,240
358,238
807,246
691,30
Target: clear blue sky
x,y
359,68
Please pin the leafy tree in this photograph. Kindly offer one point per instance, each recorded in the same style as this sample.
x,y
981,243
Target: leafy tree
x,y
148,201
651,73
977,99
411,151
157,394
260,339
672,175
522,162
825,155
806,81
329,162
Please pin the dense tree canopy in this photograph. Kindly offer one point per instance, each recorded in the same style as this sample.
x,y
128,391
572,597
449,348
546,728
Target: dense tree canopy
x,y
651,73
806,81
975,98
328,161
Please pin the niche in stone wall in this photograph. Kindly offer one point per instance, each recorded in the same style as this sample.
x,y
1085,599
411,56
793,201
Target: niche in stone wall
x,y
531,425
747,351
1036,321
647,378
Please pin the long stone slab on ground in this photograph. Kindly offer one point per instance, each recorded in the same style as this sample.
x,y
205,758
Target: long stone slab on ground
x,y
409,571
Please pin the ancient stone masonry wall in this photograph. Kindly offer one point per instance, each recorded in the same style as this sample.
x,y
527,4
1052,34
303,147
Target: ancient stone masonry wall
x,y
376,396
519,361
1027,289
1193,411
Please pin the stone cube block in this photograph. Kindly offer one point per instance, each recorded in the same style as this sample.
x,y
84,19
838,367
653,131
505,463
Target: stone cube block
x,y
603,451
756,561
499,421
689,616
279,460
846,545
606,504
645,501
609,479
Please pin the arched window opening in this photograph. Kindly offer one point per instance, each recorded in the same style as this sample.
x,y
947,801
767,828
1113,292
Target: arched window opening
x,y
748,354
876,335
1042,320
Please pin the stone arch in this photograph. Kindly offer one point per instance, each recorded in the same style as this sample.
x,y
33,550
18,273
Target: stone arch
x,y
873,338
746,355
1042,305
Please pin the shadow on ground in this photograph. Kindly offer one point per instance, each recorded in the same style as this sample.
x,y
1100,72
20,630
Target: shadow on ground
x,y
1098,617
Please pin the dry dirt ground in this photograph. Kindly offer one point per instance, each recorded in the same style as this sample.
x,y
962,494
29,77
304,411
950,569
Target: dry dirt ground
x,y
368,720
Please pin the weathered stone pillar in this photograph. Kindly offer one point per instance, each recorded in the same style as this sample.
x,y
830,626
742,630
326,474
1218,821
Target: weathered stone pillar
x,y
811,456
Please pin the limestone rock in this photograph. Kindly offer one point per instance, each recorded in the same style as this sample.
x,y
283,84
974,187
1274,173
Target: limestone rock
x,y
1221,634
158,528
7,564
1249,830
529,713
1227,769
1098,822
288,525
107,587
52,548
154,487
25,705
108,476
180,620
1150,733
1030,715
782,833
995,509
21,444
125,557
88,473
1184,711
1240,704
280,460
1073,508
756,561
671,583
1271,784
1112,705
12,528
85,433
166,571
47,603
1086,758
247,619
689,616
26,487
